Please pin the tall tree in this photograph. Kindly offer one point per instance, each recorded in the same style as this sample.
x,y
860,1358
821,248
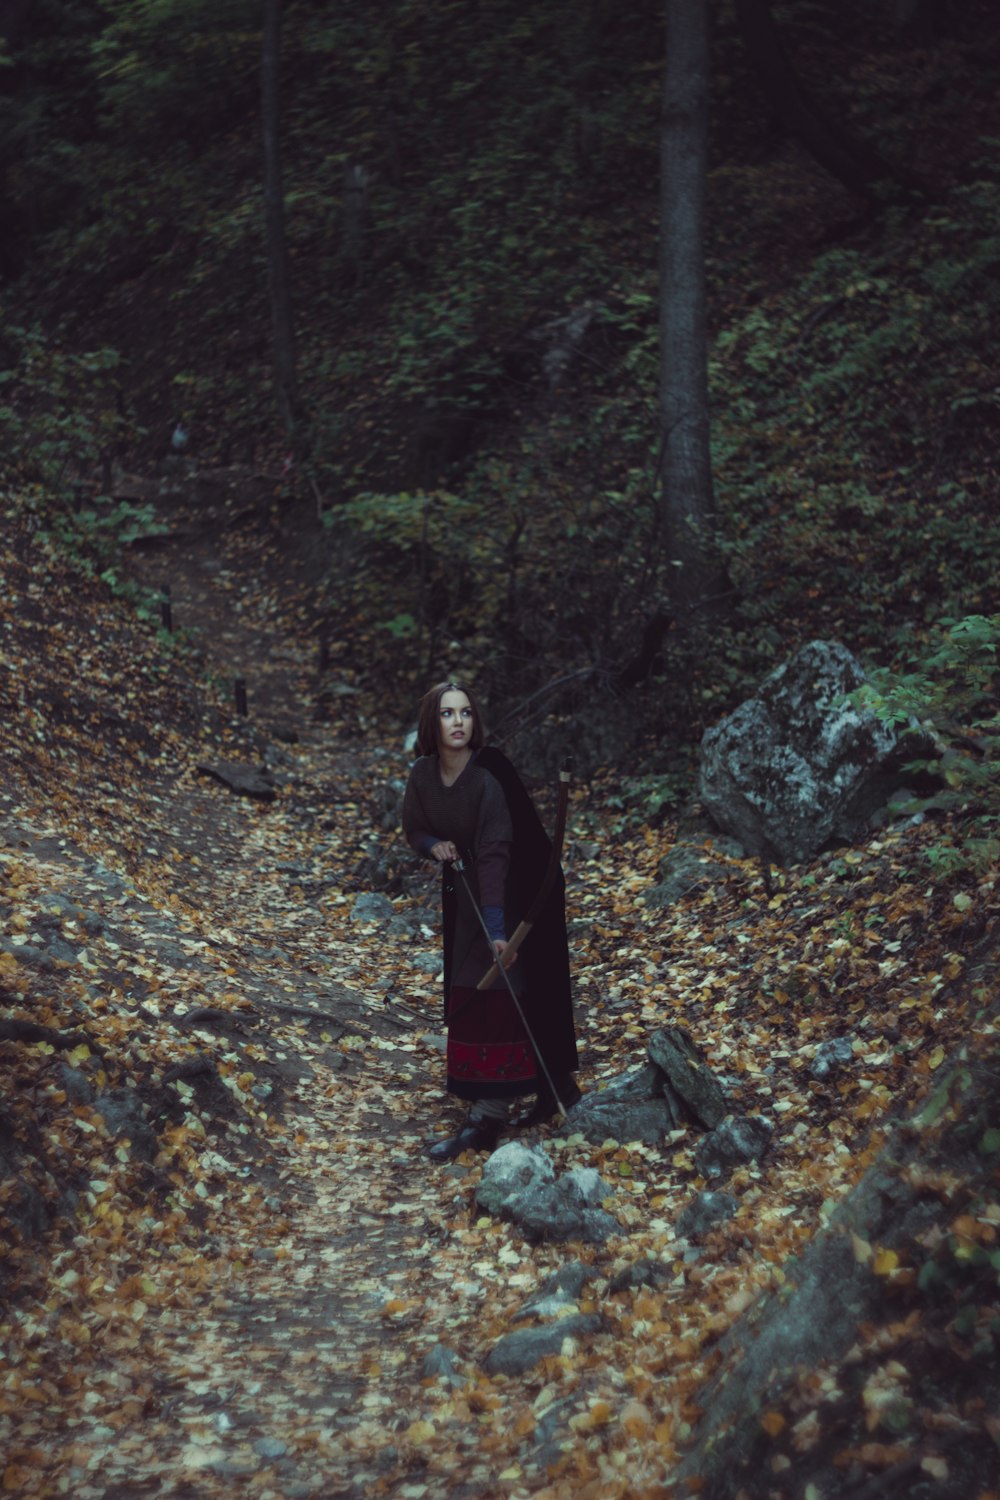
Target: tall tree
x,y
697,581
283,329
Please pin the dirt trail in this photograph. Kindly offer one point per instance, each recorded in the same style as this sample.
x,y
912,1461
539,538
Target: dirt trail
x,y
292,1366
283,1371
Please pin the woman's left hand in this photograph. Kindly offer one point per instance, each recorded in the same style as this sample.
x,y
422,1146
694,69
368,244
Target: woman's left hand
x,y
499,947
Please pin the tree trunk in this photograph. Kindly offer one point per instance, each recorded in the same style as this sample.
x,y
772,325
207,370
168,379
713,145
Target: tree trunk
x,y
697,581
282,326
848,158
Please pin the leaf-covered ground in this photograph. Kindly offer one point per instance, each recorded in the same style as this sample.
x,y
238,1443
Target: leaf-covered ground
x,y
244,1303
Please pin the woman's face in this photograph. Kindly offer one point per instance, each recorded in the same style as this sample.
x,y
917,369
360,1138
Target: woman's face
x,y
455,720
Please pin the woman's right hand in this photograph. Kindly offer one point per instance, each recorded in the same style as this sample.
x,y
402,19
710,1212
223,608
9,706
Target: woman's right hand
x,y
443,851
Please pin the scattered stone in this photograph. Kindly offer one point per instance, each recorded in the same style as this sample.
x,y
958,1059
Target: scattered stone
x,y
288,734
705,1210
738,1139
832,1055
24,1208
641,1083
59,951
392,790
798,765
209,1018
371,906
124,1115
599,1118
690,867
269,1447
558,1291
520,1351
689,1075
567,1209
63,908
77,1085
646,1272
247,781
439,1364
519,1183
552,1436
234,1468
509,1172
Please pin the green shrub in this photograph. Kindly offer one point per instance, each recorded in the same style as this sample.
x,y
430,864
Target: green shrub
x,y
951,692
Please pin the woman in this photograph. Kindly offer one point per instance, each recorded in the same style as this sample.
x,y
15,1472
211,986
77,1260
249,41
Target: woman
x,y
464,800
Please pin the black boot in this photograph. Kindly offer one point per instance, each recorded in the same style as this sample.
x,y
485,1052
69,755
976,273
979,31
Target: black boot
x,y
545,1106
475,1135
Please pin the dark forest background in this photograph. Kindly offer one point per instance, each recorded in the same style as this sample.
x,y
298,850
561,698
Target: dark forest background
x,y
405,263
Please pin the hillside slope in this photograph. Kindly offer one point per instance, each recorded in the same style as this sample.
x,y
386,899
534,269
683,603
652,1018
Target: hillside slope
x,y
227,1260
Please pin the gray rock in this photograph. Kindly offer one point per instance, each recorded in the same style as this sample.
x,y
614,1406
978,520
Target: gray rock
x,y
520,1351
640,1083
511,1171
371,906
685,869
826,1295
247,781
77,1085
392,790
59,951
25,953
439,1364
689,1075
737,1139
519,1183
548,1307
426,963
269,1447
553,1436
124,1115
559,1291
61,908
831,1055
703,1212
233,1468
795,766
599,1118
644,1272
567,1209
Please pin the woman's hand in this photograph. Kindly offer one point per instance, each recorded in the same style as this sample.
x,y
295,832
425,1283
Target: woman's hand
x,y
499,947
443,851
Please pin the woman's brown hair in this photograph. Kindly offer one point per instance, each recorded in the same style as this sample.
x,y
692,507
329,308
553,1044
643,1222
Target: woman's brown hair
x,y
428,718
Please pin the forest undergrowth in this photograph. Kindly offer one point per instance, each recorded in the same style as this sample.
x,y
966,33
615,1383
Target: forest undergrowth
x,y
248,1298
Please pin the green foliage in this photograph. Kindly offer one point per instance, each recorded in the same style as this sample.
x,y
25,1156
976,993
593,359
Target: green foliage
x,y
440,360
483,516
48,109
951,691
176,69
857,421
646,801
64,413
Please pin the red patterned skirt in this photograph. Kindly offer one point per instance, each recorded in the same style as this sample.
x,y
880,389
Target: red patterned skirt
x,y
489,1054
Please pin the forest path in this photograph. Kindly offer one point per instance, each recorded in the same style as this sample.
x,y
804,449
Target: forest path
x,y
293,1367
252,1311
287,1359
